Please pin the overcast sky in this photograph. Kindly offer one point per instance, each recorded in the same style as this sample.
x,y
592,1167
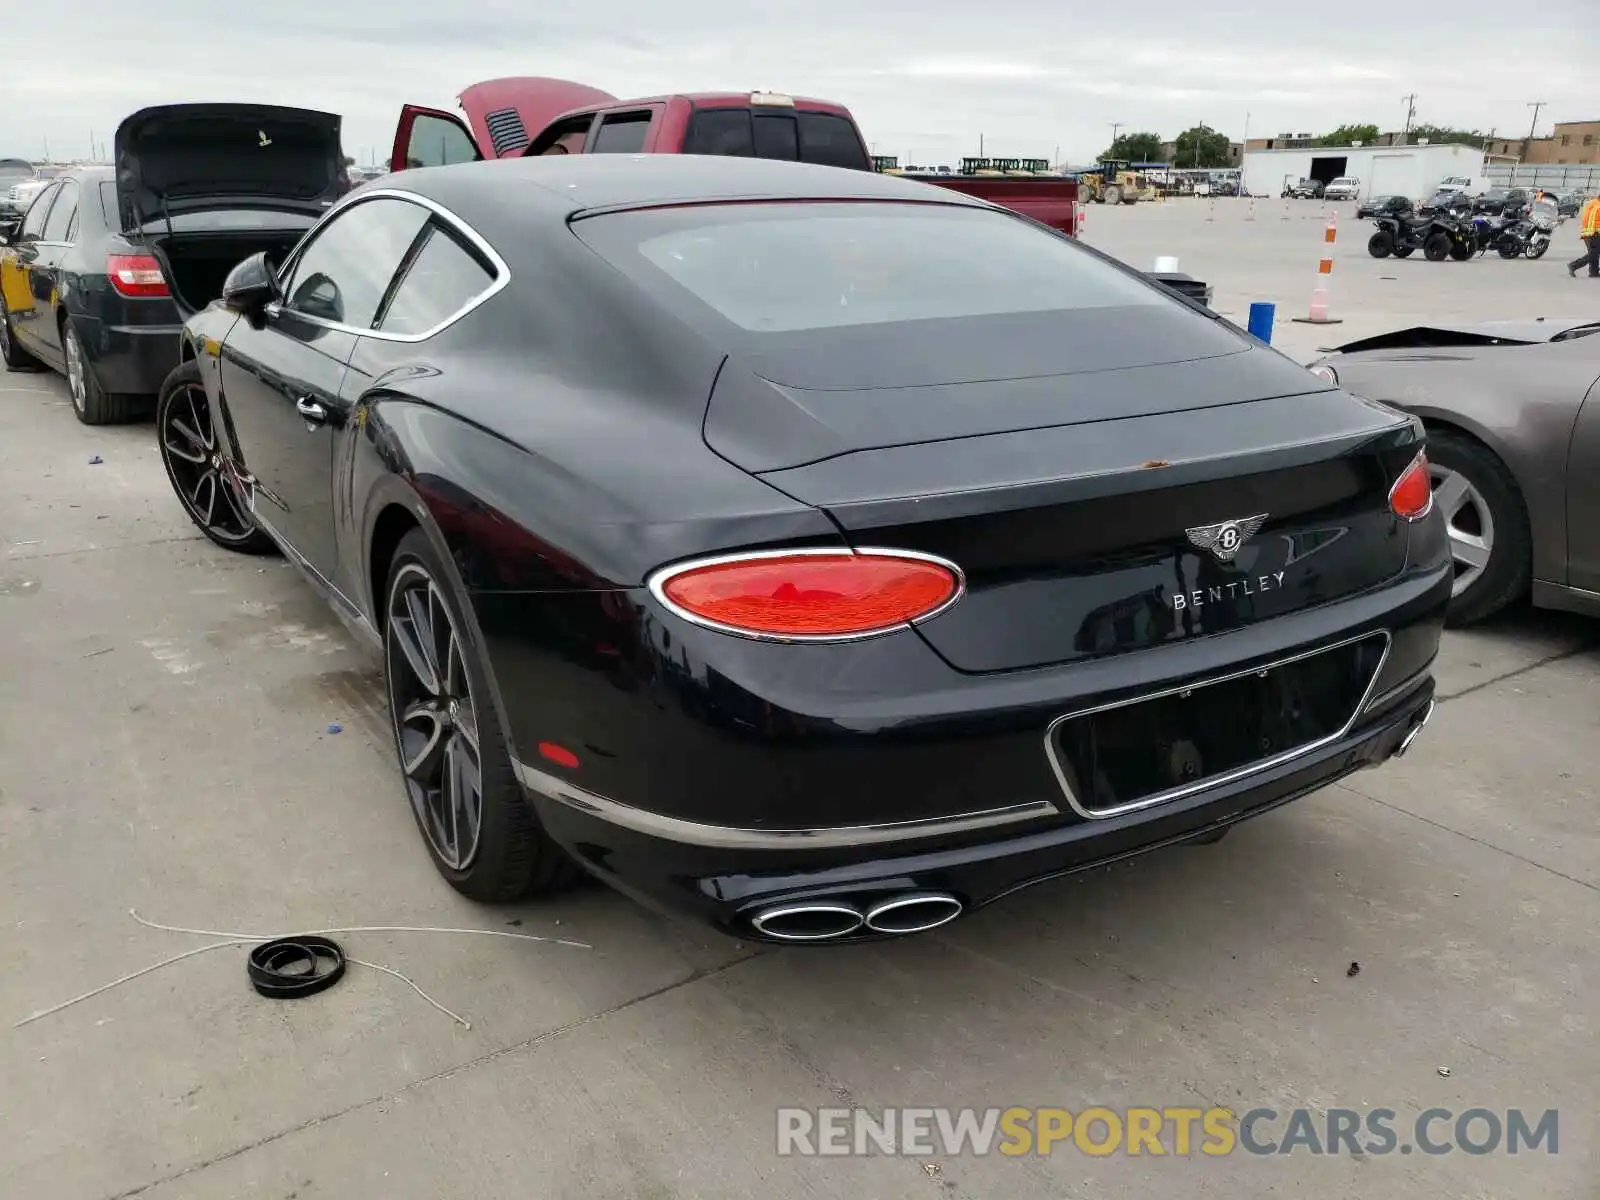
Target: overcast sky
x,y
924,79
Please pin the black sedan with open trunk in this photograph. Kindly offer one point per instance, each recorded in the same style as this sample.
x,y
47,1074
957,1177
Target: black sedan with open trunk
x,y
818,553
102,269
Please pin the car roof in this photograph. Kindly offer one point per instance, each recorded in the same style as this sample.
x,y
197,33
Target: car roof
x,y
572,183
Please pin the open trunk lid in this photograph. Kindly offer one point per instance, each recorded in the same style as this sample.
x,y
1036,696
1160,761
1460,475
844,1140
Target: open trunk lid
x,y
184,158
1101,533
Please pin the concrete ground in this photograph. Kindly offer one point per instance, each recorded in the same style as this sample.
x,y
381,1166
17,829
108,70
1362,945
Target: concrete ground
x,y
164,746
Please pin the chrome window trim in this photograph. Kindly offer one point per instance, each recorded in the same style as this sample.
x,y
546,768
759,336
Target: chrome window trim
x,y
502,272
659,578
698,833
1266,764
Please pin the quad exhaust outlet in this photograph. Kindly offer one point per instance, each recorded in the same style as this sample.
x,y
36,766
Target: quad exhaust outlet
x,y
829,920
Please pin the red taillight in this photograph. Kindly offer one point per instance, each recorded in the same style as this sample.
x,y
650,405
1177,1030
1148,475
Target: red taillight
x,y
808,595
1411,497
136,275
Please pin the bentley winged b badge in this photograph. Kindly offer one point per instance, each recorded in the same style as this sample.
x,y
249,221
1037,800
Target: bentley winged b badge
x,y
1226,538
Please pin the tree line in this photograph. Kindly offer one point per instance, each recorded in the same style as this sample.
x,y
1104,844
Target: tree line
x,y
1203,147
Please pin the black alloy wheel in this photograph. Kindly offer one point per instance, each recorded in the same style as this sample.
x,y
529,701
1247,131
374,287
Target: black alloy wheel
x,y
196,466
1437,247
479,829
435,717
1381,244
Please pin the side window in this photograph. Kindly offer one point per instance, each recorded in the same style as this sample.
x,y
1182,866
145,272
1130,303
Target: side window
x,y
622,133
443,278
344,272
63,215
832,141
721,131
436,142
563,137
33,223
775,136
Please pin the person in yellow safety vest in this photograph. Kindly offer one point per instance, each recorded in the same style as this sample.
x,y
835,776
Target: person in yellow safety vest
x,y
1589,231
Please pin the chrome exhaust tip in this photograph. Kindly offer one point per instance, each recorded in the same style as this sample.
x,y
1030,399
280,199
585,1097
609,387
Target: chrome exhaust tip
x,y
808,921
915,913
1411,734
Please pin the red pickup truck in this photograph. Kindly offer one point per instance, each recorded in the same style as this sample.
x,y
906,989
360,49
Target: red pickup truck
x,y
523,115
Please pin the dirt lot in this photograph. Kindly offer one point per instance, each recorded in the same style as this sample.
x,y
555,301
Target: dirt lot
x,y
165,746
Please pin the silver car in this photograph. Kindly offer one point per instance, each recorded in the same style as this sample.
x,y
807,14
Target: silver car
x,y
1512,410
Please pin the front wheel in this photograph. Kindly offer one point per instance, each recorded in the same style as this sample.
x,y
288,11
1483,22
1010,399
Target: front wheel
x,y
1381,244
479,829
208,491
1538,246
1461,251
1404,251
1437,247
1487,522
1113,195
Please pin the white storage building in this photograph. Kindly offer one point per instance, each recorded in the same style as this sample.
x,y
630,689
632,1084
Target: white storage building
x,y
1413,171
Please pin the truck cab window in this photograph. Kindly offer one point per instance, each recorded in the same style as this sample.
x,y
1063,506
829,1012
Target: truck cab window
x,y
622,133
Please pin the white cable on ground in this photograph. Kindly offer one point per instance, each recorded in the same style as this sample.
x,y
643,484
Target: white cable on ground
x,y
241,939
166,962
267,937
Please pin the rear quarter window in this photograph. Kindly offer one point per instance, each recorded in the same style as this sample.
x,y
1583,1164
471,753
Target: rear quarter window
x,y
789,268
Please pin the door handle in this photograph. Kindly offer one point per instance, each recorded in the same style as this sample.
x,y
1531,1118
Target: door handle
x,y
310,409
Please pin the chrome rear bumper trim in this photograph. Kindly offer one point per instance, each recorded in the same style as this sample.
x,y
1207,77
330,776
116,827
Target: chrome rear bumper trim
x,y
697,833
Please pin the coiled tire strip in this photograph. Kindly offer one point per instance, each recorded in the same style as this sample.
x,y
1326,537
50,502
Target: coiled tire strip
x,y
291,967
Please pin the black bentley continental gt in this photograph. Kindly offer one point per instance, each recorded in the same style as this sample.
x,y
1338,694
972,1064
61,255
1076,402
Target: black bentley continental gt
x,y
818,553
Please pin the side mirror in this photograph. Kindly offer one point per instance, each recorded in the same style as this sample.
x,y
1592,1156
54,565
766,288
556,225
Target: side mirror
x,y
8,230
251,286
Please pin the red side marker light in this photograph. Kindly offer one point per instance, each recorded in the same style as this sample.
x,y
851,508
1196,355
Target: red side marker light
x,y
560,755
1411,497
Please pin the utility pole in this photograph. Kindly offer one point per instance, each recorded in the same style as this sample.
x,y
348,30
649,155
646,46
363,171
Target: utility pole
x,y
1411,115
1115,126
1533,125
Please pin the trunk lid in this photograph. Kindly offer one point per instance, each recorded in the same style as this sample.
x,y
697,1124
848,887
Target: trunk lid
x,y
507,114
1089,538
181,158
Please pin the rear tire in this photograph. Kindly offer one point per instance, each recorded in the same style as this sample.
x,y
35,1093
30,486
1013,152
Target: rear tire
x,y
510,855
1437,247
1508,249
14,356
1381,244
91,403
1509,569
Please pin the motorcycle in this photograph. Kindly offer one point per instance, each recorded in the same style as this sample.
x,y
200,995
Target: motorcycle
x,y
1402,236
1530,234
1478,234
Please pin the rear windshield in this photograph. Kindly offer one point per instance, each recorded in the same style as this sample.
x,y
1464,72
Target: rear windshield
x,y
210,221
826,139
785,268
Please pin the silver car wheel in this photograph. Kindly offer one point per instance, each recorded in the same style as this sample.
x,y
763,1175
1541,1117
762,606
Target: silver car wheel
x,y
75,382
1469,523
